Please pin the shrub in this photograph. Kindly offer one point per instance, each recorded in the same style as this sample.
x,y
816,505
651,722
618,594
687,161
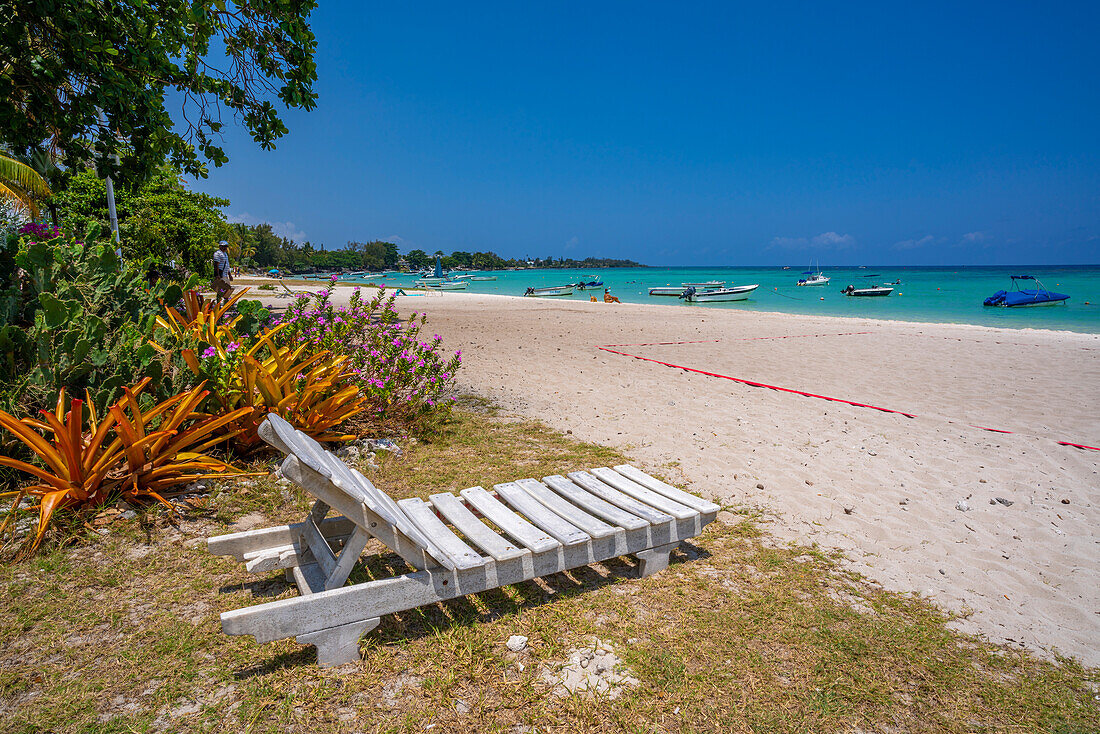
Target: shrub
x,y
315,391
75,317
134,454
206,321
403,375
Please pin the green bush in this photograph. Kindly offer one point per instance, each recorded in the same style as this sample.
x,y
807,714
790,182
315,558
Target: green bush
x,y
74,316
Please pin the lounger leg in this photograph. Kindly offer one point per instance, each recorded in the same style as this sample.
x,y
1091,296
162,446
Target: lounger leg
x,y
338,645
654,560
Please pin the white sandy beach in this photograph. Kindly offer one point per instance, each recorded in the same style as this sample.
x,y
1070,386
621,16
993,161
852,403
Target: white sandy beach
x,y
881,486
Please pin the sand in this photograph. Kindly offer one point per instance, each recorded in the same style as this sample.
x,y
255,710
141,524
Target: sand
x,y
911,501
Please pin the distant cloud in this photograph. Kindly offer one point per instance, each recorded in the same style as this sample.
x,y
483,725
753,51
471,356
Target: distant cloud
x,y
282,229
788,243
834,240
572,242
823,241
973,238
914,244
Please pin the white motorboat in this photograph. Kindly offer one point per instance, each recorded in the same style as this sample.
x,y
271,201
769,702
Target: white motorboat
x,y
483,277
450,285
667,290
557,290
733,293
874,290
817,278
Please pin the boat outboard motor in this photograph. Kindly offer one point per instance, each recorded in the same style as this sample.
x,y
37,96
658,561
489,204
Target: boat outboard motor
x,y
688,293
849,289
529,291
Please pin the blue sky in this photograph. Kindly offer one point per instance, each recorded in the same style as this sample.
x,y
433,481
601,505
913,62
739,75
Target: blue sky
x,y
694,134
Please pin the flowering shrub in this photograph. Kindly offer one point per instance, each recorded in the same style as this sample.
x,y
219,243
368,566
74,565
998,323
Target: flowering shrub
x,y
403,374
40,232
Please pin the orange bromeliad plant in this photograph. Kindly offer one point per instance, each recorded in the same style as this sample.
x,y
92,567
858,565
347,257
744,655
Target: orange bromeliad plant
x,y
315,393
201,319
133,454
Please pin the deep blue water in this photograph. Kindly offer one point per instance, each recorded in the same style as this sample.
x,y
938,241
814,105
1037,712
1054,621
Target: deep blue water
x,y
934,294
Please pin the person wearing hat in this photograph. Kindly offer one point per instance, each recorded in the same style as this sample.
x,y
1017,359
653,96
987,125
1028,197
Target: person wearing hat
x,y
222,273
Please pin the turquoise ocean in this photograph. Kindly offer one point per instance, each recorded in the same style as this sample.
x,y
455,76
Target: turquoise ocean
x,y
927,294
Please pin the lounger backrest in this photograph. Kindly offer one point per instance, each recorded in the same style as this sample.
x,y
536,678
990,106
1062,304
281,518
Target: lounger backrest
x,y
289,440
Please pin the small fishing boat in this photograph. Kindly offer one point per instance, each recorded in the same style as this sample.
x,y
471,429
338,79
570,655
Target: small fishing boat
x,y
874,290
708,285
733,293
1038,296
483,277
667,290
557,290
589,284
817,278
448,285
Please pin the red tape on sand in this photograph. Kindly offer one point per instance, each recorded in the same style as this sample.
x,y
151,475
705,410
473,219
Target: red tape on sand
x,y
752,383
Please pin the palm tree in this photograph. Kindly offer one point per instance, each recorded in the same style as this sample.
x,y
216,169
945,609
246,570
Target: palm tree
x,y
21,186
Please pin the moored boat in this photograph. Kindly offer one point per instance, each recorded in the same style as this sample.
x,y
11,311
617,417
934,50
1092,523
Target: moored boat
x,y
557,290
483,277
817,278
589,284
667,290
733,293
874,290
1038,296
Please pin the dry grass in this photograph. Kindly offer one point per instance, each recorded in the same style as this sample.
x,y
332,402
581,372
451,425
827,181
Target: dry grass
x,y
737,635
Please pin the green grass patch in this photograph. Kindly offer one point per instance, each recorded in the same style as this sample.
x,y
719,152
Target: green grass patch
x,y
120,631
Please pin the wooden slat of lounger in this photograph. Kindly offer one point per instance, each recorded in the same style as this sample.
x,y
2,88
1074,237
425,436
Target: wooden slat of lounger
x,y
422,514
615,497
316,542
565,532
594,526
638,492
346,479
478,532
594,504
678,495
508,521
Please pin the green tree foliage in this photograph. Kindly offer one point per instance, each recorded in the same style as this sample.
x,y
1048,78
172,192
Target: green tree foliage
x,y
418,259
159,218
21,186
64,63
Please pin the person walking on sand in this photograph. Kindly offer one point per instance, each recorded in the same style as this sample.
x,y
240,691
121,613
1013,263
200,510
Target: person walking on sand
x,y
222,273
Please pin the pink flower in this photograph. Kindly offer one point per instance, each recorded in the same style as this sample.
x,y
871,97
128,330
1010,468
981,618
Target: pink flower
x,y
208,352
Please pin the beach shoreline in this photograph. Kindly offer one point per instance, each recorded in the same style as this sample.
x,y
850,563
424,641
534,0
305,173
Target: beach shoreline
x,y
912,501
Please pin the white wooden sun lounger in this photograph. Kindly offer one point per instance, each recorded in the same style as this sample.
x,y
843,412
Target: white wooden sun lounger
x,y
538,528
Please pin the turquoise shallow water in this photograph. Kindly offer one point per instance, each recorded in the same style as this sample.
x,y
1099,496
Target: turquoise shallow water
x,y
940,294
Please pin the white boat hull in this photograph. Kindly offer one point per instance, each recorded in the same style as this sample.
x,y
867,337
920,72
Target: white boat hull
x,y
565,290
736,293
447,286
815,281
667,290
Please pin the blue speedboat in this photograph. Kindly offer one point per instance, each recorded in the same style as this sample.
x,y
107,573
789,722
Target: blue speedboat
x,y
1037,296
